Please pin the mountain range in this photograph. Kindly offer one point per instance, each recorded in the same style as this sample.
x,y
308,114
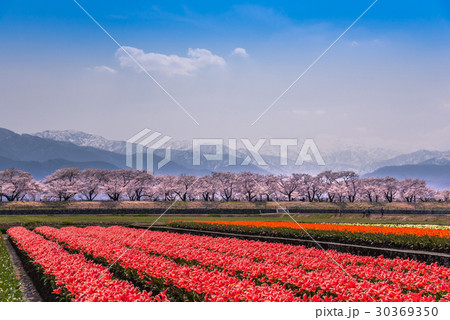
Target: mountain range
x,y
436,175
43,152
83,139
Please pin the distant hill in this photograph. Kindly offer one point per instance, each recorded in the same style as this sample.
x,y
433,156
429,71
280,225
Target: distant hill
x,y
181,153
417,157
361,160
27,147
48,150
40,170
356,159
436,176
41,156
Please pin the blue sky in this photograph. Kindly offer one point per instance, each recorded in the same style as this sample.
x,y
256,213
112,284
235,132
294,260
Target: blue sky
x,y
384,84
171,26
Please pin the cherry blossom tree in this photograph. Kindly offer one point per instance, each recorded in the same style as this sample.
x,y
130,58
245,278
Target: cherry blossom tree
x,y
183,186
166,187
139,185
249,185
151,189
340,188
443,196
116,182
320,189
15,185
351,181
339,191
426,194
226,184
206,188
287,186
126,184
411,189
390,188
309,187
63,184
371,189
269,187
90,183
328,180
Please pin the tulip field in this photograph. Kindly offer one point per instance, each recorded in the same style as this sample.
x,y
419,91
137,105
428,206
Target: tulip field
x,y
441,232
436,238
126,264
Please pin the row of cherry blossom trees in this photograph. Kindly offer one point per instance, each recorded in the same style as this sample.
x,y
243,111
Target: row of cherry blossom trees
x,y
125,184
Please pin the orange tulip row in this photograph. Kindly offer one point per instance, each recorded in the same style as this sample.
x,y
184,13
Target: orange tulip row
x,y
420,232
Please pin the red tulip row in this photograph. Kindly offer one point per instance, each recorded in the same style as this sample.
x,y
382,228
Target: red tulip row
x,y
274,262
309,273
72,277
197,282
339,284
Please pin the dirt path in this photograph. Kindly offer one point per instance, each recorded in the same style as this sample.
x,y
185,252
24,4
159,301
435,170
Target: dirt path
x,y
29,291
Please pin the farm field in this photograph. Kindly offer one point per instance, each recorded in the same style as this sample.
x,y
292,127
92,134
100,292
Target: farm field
x,y
145,220
418,237
161,266
30,205
146,266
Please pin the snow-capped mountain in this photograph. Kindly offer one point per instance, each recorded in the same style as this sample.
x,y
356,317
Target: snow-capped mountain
x,y
358,159
417,157
83,139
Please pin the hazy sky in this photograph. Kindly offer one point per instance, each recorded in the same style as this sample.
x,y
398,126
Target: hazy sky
x,y
385,83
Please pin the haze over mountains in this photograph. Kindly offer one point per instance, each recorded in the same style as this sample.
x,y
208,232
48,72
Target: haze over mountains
x,y
46,151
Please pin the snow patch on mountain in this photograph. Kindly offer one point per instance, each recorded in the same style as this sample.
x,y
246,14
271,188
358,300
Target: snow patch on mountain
x,y
84,140
359,159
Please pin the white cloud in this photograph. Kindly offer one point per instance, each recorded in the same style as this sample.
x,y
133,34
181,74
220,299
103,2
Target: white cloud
x,y
300,112
444,105
241,52
304,112
320,112
104,69
361,130
170,64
